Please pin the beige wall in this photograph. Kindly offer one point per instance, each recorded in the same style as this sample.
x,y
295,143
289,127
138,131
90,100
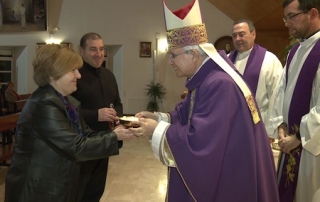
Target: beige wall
x,y
275,42
124,23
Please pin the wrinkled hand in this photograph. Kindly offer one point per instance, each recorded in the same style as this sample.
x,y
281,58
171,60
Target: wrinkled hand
x,y
146,114
123,133
289,143
146,128
107,114
283,131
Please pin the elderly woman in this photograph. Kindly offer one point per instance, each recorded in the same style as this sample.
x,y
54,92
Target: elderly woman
x,y
52,139
11,97
3,109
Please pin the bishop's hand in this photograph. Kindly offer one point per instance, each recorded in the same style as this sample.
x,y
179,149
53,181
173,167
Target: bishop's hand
x,y
146,114
146,127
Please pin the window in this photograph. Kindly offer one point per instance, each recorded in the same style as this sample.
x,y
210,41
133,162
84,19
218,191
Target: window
x,y
6,70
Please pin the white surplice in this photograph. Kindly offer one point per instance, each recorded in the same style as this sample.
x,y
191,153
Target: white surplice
x,y
308,188
270,74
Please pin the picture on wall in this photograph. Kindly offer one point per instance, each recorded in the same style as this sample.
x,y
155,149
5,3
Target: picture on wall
x,y
224,43
23,16
145,49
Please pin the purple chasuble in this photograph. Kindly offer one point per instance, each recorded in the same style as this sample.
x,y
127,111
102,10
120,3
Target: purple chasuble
x,y
299,106
252,71
221,155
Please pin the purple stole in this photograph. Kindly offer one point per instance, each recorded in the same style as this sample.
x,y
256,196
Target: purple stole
x,y
225,57
299,106
252,71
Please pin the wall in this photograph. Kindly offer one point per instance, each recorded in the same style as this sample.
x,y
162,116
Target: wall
x,y
124,23
275,42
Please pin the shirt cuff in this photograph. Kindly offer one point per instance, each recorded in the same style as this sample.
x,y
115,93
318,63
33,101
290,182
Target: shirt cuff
x,y
277,121
312,144
157,138
163,117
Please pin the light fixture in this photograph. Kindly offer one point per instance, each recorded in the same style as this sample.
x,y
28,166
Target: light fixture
x,y
55,29
51,39
163,45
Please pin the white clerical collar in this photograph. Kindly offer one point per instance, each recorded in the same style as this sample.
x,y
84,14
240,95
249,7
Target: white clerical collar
x,y
311,39
244,54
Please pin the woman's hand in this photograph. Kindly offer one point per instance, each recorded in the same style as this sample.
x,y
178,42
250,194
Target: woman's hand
x,y
124,134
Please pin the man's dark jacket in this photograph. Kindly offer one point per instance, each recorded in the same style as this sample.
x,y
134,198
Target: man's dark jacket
x,y
97,89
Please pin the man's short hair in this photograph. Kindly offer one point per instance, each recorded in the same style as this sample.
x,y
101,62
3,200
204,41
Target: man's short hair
x,y
88,36
249,22
304,5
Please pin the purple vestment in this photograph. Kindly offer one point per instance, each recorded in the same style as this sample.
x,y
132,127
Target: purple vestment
x,y
251,73
299,106
222,156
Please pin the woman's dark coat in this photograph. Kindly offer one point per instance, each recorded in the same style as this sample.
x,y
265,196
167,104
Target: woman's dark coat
x,y
49,150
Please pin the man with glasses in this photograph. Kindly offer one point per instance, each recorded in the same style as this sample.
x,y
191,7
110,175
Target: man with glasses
x,y
291,17
297,107
260,68
214,143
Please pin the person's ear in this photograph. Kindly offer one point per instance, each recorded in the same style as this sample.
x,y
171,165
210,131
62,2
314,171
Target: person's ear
x,y
195,55
81,51
314,13
254,34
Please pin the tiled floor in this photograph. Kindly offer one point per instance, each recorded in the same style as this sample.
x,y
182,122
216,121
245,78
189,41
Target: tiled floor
x,y
134,176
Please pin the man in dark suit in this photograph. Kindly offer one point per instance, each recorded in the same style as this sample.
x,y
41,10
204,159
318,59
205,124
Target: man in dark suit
x,y
98,93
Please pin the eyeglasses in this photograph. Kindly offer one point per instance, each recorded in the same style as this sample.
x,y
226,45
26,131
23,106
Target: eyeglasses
x,y
172,56
292,17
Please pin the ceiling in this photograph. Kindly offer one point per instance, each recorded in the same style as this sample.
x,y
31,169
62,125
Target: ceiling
x,y
53,12
266,15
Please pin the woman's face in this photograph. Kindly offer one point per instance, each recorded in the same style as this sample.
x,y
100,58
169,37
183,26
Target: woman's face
x,y
10,86
67,84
